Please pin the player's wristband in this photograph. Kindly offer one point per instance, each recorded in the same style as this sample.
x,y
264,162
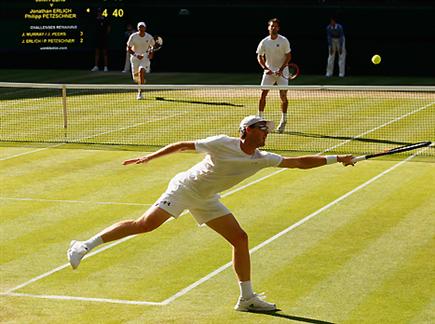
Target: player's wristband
x,y
330,159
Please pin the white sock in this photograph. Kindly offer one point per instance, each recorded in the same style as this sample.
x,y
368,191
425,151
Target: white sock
x,y
284,117
260,113
93,242
246,291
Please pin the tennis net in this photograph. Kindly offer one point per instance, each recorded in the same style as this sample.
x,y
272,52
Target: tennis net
x,y
337,119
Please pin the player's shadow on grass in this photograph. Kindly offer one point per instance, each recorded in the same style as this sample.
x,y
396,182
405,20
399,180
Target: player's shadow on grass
x,y
213,103
278,313
359,139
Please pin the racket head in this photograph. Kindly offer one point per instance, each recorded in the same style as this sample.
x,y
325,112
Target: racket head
x,y
158,43
400,149
291,72
409,147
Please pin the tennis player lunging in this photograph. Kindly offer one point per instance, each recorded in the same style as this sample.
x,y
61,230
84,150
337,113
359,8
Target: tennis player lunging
x,y
228,161
273,55
140,45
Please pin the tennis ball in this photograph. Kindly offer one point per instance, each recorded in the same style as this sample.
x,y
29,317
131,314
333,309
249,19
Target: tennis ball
x,y
376,59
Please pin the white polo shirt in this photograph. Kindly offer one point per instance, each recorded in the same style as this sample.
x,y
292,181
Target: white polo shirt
x,y
275,51
140,44
224,165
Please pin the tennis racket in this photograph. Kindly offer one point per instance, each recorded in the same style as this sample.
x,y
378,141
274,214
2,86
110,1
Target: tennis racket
x,y
158,43
399,149
291,72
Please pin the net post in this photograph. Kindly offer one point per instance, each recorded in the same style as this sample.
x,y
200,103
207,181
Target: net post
x,y
65,115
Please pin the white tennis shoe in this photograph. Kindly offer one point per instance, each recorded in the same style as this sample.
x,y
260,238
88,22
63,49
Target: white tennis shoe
x,y
77,250
139,96
281,127
95,69
254,304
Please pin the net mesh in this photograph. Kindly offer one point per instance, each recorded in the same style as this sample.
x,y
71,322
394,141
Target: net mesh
x,y
355,120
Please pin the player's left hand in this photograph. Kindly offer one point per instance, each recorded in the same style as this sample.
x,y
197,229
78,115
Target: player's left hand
x,y
140,160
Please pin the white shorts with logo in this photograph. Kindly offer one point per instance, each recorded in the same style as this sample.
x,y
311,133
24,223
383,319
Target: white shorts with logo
x,y
176,199
137,64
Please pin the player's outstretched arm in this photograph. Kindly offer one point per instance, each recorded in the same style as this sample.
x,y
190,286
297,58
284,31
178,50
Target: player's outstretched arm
x,y
314,161
168,149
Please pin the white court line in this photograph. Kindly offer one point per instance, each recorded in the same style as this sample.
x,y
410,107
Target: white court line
x,y
108,246
92,136
100,300
381,126
29,152
132,126
184,291
75,201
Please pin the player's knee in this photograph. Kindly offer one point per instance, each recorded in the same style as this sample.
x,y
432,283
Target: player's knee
x,y
244,237
241,238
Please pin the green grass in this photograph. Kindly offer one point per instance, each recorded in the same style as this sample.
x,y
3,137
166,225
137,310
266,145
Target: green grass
x,y
366,259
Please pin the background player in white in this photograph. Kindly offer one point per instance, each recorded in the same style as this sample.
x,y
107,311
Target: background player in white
x,y
140,45
228,161
273,55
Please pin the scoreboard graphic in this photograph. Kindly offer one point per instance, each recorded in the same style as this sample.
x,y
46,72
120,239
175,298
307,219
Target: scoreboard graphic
x,y
58,25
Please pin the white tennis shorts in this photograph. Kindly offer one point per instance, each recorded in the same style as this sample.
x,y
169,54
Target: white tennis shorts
x,y
177,199
137,64
272,79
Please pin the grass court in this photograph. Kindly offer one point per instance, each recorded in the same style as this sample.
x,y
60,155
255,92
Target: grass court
x,y
329,245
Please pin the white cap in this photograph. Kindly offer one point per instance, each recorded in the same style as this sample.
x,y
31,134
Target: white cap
x,y
252,119
141,23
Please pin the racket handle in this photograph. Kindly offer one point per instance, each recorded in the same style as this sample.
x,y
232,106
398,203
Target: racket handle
x,y
358,158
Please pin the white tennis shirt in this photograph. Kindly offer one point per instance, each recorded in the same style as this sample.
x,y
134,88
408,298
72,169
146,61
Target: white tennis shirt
x,y
274,50
224,165
140,44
